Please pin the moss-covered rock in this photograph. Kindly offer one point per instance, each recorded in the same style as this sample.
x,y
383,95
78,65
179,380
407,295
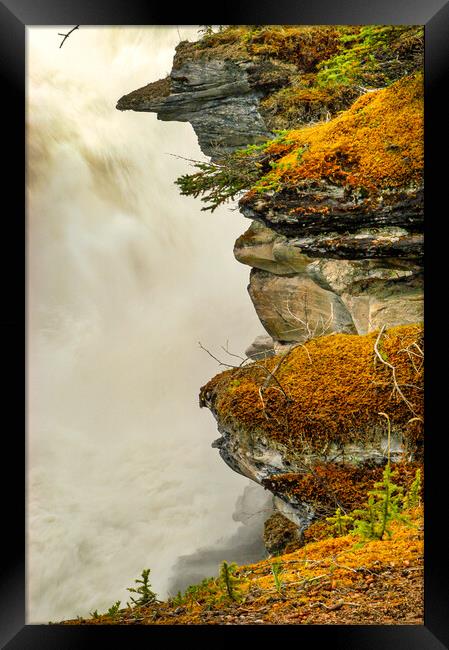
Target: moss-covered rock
x,y
281,535
323,403
336,199
333,389
387,152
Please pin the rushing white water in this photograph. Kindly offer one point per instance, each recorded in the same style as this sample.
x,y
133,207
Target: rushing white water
x,y
125,276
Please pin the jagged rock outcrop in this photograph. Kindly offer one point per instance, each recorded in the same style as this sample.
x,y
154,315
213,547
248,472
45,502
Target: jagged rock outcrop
x,y
263,248
366,293
319,220
321,404
372,292
335,242
219,97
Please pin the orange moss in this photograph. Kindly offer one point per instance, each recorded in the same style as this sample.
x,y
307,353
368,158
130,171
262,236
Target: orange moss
x,y
376,582
332,485
336,389
375,144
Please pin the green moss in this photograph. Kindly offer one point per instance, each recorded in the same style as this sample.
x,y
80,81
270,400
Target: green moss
x,y
375,56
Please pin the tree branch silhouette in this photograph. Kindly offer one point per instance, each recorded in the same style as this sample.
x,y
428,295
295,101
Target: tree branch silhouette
x,y
67,35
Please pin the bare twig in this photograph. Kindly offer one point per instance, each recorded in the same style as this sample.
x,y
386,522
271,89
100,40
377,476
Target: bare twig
x,y
255,364
330,608
320,327
221,363
412,353
281,361
236,356
263,403
67,35
392,368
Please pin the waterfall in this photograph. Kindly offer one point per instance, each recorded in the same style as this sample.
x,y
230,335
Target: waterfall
x,y
124,277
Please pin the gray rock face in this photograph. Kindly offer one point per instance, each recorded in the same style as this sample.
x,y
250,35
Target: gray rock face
x,y
215,96
375,292
263,248
295,308
261,348
326,221
386,303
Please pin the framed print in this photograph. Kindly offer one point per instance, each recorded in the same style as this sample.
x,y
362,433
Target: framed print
x,y
160,162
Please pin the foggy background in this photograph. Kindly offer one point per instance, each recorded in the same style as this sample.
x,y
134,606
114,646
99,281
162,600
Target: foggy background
x,y
124,277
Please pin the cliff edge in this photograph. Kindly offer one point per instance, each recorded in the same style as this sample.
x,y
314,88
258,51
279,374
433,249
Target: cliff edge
x,y
319,133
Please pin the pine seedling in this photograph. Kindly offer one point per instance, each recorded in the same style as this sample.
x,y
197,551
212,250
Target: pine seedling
x,y
413,496
277,570
228,580
112,611
384,504
146,595
340,522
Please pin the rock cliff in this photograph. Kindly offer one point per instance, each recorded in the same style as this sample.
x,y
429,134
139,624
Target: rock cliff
x,y
321,128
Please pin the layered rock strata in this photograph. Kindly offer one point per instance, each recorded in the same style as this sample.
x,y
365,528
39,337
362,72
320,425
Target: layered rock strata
x,y
220,98
328,261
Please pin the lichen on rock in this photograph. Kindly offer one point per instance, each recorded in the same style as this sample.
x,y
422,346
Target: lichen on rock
x,y
319,131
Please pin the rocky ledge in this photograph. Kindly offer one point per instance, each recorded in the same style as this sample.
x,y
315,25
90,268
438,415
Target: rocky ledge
x,y
328,403
320,132
220,98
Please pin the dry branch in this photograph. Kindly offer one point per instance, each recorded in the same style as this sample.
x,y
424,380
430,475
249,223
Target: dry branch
x,y
67,35
392,368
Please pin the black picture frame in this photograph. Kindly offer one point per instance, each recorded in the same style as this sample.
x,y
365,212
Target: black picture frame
x,y
15,15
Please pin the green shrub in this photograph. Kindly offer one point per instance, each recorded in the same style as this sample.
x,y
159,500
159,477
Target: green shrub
x,y
222,181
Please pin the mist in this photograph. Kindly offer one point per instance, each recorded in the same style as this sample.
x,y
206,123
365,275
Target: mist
x,y
124,278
